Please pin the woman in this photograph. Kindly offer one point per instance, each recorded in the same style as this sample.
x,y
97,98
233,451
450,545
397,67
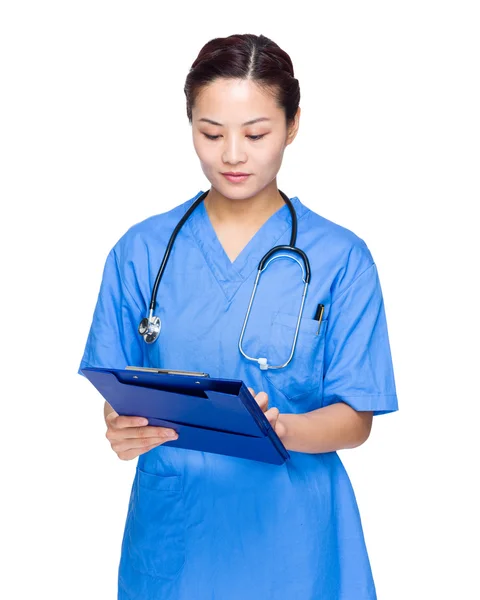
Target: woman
x,y
202,526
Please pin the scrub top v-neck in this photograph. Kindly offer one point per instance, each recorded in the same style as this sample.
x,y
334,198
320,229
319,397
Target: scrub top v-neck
x,y
230,275
207,526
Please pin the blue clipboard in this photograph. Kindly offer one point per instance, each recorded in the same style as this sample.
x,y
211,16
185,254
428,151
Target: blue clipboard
x,y
209,414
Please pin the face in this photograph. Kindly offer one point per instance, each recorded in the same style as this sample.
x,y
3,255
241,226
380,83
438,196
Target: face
x,y
237,127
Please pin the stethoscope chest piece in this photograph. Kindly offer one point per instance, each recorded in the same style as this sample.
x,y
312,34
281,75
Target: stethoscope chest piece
x,y
149,328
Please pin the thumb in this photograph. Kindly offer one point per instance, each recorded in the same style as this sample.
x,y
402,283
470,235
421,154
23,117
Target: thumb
x,y
272,415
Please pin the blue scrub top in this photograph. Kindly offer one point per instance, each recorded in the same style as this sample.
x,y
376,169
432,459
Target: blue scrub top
x,y
211,527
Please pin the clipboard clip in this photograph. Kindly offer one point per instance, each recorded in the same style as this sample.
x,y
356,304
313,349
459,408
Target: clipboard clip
x,y
167,371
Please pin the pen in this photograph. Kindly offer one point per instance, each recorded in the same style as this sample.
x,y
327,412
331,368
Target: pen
x,y
319,315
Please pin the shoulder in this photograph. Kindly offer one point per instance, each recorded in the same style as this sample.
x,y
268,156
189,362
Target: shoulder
x,y
153,231
347,255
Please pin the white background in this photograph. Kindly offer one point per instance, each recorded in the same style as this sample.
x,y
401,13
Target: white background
x,y
94,138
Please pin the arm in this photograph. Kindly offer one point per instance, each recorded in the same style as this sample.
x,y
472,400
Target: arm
x,y
326,429
113,341
357,369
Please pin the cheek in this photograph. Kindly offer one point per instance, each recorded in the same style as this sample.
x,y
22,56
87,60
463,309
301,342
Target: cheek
x,y
201,144
271,160
270,155
205,153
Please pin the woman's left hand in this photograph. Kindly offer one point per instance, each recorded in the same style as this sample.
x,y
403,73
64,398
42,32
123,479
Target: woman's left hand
x,y
270,413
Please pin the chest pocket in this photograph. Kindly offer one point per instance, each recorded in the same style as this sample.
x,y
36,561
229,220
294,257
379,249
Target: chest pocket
x,y
304,372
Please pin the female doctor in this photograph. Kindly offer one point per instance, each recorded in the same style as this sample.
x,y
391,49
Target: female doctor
x,y
203,526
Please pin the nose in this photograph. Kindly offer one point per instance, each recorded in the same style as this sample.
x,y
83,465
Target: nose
x,y
233,150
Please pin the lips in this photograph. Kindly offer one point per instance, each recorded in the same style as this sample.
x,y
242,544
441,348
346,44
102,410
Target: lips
x,y
236,177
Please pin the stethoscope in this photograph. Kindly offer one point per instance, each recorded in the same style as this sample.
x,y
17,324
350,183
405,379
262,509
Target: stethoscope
x,y
149,327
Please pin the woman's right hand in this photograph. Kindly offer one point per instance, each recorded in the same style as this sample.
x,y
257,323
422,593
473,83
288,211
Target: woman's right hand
x,y
131,436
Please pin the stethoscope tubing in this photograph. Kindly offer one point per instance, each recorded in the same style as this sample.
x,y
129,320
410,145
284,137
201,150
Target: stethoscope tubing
x,y
149,327
293,239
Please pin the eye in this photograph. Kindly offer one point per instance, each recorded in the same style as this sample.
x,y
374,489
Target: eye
x,y
253,138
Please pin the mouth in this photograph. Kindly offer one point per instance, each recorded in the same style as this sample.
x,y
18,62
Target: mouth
x,y
236,177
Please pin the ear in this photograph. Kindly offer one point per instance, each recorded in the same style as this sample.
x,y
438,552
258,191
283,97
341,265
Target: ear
x,y
293,129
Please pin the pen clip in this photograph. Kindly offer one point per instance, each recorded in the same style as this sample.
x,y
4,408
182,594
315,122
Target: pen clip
x,y
319,315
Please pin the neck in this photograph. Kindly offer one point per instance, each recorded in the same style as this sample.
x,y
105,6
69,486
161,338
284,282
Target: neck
x,y
244,211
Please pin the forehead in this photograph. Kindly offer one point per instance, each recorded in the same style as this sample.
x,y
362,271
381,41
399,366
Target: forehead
x,y
234,101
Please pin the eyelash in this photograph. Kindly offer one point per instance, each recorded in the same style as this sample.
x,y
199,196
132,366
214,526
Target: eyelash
x,y
257,137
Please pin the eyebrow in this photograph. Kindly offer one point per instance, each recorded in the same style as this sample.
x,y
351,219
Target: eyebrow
x,y
243,124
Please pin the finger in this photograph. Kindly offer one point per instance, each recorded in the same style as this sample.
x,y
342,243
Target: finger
x,y
280,429
262,400
272,416
251,391
131,444
151,431
134,452
123,421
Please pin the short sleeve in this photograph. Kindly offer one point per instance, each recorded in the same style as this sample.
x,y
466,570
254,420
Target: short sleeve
x,y
113,340
358,364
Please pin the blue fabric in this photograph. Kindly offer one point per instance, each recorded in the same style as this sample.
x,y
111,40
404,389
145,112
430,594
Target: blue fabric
x,y
209,527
